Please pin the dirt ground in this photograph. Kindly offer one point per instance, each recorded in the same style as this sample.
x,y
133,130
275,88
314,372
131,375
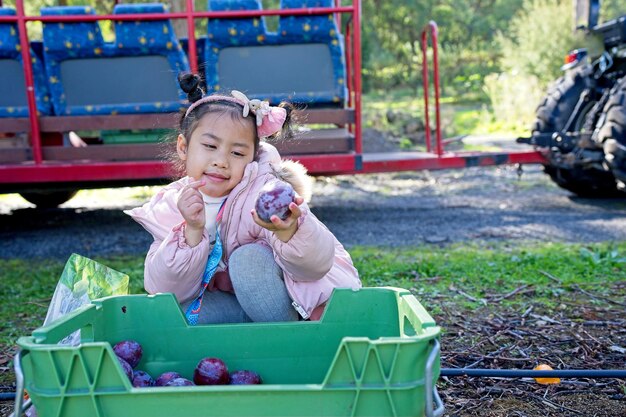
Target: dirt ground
x,y
583,333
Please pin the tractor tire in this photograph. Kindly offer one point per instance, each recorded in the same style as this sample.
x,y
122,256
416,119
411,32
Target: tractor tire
x,y
48,199
552,116
611,132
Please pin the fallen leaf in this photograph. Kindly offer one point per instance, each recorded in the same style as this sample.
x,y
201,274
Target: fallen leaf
x,y
546,381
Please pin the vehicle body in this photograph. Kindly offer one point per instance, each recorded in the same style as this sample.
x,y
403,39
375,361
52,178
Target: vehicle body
x,y
87,83
581,123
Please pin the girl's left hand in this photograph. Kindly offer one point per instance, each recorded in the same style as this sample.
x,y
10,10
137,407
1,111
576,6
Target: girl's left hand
x,y
283,229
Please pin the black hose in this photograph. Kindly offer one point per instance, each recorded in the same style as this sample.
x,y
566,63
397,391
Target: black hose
x,y
523,373
6,396
503,373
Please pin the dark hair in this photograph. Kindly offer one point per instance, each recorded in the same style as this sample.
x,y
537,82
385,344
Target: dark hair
x,y
195,88
193,85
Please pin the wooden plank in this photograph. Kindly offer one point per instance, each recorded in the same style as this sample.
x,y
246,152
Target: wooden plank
x,y
109,122
15,155
318,141
14,124
153,121
323,116
134,152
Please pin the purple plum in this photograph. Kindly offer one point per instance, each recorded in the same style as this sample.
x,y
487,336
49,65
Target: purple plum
x,y
166,377
274,199
244,378
142,379
211,371
130,351
179,382
127,368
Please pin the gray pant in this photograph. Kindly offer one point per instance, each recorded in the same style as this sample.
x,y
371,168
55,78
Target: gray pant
x,y
260,293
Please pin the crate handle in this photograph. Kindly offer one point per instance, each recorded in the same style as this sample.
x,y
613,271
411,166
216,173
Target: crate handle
x,y
429,388
78,319
19,387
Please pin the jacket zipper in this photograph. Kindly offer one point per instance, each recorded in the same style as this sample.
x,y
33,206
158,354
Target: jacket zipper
x,y
300,309
230,215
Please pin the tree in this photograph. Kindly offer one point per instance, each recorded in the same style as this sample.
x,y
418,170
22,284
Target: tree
x,y
392,32
539,37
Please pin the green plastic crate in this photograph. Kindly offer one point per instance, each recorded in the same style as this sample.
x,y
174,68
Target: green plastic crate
x,y
373,353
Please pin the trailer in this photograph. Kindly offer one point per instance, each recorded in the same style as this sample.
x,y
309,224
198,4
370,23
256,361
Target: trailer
x,y
123,93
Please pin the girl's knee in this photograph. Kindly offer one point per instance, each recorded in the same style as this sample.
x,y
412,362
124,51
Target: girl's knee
x,y
250,253
251,261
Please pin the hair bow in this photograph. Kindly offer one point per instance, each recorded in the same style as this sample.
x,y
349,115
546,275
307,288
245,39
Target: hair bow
x,y
269,119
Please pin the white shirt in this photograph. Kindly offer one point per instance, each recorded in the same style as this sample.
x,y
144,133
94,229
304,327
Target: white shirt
x,y
211,208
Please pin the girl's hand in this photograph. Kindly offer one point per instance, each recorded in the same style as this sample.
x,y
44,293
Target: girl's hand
x,y
283,229
191,207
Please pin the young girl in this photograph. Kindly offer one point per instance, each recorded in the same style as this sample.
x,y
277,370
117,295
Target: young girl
x,y
210,249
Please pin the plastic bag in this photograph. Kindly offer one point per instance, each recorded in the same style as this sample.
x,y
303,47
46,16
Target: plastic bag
x,y
83,280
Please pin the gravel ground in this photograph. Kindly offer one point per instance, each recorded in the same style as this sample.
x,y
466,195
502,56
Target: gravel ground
x,y
427,207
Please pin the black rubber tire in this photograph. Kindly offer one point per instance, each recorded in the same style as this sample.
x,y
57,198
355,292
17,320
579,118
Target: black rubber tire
x,y
552,116
48,199
611,132
559,102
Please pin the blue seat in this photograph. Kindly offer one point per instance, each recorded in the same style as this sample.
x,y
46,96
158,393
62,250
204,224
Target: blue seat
x,y
151,37
303,62
135,74
223,33
317,29
65,41
13,99
240,31
307,28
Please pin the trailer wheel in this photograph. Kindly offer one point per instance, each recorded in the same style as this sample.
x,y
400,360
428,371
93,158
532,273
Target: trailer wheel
x,y
552,116
48,199
611,132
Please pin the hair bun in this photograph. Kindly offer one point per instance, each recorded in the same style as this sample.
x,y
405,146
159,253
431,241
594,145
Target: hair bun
x,y
192,85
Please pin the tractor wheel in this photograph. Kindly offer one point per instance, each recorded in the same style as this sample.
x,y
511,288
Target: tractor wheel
x,y
611,132
48,199
552,116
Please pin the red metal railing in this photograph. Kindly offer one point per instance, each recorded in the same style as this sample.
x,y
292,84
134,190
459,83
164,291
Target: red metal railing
x,y
431,29
35,136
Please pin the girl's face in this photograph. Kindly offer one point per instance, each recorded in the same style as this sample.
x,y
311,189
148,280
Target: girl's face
x,y
218,151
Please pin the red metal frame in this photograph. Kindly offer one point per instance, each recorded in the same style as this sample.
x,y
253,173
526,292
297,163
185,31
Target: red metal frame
x,y
432,29
40,171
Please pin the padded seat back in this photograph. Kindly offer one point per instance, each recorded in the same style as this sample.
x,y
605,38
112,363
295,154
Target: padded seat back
x,y
240,31
135,74
303,62
13,101
311,28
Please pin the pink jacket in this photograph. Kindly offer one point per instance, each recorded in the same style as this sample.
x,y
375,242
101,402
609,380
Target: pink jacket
x,y
313,261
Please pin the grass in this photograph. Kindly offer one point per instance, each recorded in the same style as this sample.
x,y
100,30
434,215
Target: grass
x,y
460,115
481,269
476,269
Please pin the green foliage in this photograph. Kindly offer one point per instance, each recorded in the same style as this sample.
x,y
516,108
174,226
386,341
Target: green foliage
x,y
532,52
611,9
392,46
539,37
514,98
391,36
